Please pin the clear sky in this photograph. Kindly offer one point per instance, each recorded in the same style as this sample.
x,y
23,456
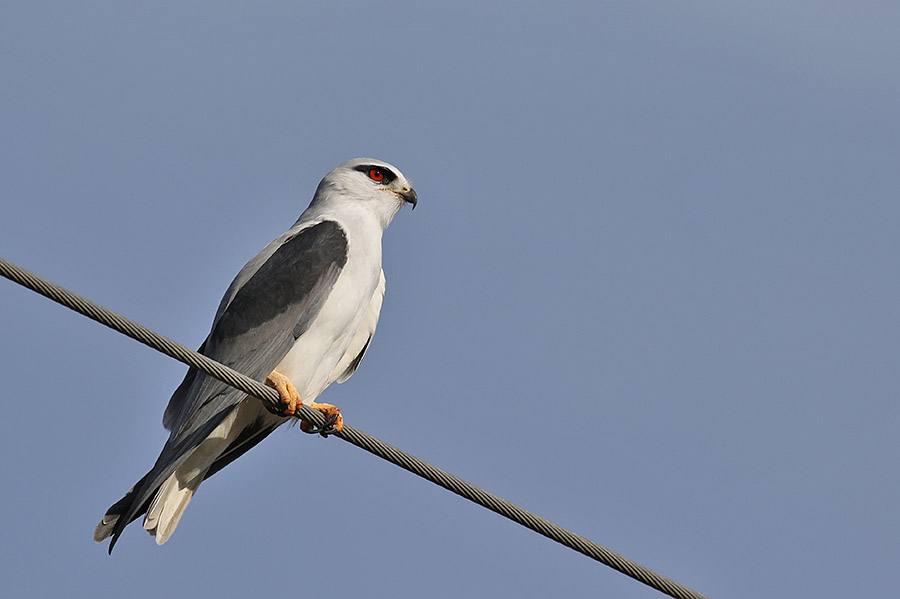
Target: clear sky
x,y
650,291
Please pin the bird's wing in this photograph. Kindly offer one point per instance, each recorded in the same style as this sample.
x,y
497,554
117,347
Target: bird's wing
x,y
181,393
360,344
271,303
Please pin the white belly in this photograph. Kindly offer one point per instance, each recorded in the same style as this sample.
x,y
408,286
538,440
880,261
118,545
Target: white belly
x,y
311,362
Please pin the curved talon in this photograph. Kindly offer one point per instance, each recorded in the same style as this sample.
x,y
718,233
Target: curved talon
x,y
327,429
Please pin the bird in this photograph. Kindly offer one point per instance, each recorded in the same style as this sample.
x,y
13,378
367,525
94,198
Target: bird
x,y
299,316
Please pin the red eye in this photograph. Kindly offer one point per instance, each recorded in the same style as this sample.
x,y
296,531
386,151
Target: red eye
x,y
376,175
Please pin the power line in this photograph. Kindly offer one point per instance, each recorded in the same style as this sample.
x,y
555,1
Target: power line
x,y
350,434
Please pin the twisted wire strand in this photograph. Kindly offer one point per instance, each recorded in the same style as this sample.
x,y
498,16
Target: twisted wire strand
x,y
350,434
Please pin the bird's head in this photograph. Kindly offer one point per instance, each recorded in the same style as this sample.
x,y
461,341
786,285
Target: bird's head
x,y
373,184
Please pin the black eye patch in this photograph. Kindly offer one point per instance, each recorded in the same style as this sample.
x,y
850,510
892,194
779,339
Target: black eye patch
x,y
377,173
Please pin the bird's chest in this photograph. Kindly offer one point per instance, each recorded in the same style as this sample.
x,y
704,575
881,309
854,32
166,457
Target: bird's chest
x,y
316,353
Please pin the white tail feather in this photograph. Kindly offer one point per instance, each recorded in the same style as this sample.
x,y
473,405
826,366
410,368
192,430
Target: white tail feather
x,y
168,506
176,492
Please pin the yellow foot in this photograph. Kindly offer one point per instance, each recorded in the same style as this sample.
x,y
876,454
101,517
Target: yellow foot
x,y
332,413
292,402
286,389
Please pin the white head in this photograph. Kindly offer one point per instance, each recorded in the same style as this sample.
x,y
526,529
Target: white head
x,y
365,182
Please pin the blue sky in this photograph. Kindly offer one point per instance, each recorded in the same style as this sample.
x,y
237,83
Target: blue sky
x,y
650,291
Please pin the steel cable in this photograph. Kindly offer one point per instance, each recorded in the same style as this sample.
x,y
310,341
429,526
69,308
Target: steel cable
x,y
350,434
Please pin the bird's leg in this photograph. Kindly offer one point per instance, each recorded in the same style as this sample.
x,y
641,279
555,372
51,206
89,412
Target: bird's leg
x,y
292,402
286,389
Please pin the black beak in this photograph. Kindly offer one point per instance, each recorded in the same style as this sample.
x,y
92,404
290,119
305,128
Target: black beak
x,y
409,196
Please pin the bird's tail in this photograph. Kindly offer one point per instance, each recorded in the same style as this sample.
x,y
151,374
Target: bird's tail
x,y
165,508
107,524
164,502
163,511
169,504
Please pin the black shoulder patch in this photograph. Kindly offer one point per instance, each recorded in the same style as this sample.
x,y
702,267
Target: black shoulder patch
x,y
285,283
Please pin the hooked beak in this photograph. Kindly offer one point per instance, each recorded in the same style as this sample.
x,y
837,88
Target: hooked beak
x,y
409,195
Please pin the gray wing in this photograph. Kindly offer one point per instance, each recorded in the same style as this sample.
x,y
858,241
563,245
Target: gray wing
x,y
270,304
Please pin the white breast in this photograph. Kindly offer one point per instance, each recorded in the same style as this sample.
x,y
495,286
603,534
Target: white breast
x,y
311,362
